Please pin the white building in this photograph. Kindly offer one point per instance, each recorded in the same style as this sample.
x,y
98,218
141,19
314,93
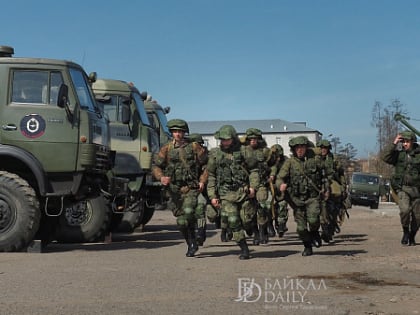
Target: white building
x,y
275,131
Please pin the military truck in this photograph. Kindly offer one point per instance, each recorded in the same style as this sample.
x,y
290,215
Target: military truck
x,y
54,150
134,140
365,189
157,117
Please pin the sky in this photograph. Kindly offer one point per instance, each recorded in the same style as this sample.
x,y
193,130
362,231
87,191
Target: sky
x,y
322,62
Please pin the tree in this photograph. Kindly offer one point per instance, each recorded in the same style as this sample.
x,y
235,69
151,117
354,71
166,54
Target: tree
x,y
387,129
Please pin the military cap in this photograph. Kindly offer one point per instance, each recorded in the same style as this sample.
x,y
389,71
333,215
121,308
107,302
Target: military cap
x,y
196,137
299,140
408,135
225,132
177,124
324,143
253,133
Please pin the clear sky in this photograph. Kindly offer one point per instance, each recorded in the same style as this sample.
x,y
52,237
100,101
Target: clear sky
x,y
321,62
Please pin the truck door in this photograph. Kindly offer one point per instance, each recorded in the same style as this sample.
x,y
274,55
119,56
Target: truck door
x,y
32,120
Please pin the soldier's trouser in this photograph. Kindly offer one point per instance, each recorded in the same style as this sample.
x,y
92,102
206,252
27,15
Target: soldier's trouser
x,y
230,218
323,216
200,211
282,212
263,205
184,206
307,218
409,215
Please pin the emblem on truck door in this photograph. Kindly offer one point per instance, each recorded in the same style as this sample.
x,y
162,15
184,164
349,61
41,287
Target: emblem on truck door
x,y
32,126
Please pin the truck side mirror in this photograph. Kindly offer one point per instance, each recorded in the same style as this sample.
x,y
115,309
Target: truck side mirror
x,y
63,96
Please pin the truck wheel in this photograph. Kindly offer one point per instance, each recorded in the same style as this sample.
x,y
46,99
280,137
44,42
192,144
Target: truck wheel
x,y
19,213
147,216
84,222
374,205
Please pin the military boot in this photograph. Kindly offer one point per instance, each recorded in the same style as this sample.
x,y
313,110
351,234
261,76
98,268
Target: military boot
x,y
201,236
307,251
192,243
411,238
256,233
406,236
244,249
316,239
281,229
270,229
223,236
262,228
229,234
325,234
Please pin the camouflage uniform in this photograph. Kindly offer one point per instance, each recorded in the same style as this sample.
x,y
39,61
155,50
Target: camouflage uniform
x,y
331,205
181,161
231,184
258,156
202,201
300,178
406,182
280,207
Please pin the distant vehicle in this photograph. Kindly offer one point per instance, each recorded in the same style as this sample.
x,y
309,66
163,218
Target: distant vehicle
x,y
365,189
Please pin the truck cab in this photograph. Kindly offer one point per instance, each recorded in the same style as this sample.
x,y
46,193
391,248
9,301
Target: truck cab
x,y
365,189
54,145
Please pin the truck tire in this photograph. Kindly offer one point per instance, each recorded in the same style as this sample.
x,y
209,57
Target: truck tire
x,y
374,205
84,222
19,213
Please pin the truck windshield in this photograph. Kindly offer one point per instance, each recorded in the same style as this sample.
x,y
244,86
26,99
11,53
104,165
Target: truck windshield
x,y
365,179
140,108
83,91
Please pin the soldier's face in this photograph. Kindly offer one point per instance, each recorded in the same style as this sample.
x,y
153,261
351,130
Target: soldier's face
x,y
324,151
300,150
407,144
178,135
253,142
226,143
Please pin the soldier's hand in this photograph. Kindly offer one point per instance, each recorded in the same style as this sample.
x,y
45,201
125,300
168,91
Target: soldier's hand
x,y
215,203
200,187
165,180
251,193
283,187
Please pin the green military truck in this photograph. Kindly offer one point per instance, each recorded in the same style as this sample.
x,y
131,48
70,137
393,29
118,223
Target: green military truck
x,y
54,150
135,142
157,117
365,189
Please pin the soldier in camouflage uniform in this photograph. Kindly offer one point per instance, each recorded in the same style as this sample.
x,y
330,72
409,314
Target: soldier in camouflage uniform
x,y
258,156
404,154
331,206
200,210
281,210
231,185
300,180
178,166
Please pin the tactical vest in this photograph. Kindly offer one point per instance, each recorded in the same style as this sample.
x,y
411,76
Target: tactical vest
x,y
305,178
258,159
407,169
182,165
230,171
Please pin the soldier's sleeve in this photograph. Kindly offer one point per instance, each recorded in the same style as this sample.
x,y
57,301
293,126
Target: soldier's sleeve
x,y
390,154
284,173
211,173
159,162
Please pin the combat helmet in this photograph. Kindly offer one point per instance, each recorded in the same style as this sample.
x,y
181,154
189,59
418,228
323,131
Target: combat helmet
x,y
177,124
196,137
277,148
302,140
324,143
253,133
409,135
226,132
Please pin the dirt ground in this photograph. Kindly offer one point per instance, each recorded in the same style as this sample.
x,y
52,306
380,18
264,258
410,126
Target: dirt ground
x,y
364,271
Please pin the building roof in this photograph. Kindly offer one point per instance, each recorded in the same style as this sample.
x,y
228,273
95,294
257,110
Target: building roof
x,y
267,126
